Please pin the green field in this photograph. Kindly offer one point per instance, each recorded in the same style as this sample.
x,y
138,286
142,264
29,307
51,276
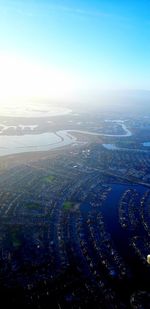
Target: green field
x,y
15,237
68,205
49,178
33,206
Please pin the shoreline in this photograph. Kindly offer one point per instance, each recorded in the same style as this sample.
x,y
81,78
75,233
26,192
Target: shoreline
x,y
49,141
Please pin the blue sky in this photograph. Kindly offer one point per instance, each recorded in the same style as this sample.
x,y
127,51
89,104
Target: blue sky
x,y
93,44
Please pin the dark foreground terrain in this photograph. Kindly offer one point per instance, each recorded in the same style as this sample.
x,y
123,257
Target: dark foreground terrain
x,y
75,229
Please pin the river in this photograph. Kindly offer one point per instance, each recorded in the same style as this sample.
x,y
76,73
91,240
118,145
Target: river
x,y
44,141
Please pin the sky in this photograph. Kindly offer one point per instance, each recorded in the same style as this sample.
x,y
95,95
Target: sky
x,y
71,49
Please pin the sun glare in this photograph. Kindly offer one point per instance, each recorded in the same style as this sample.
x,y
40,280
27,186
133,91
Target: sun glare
x,y
21,78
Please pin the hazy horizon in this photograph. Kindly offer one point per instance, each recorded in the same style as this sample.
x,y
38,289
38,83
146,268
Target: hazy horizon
x,y
75,154
68,52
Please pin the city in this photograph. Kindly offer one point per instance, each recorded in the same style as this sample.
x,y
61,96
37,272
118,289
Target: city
x,y
75,223
75,154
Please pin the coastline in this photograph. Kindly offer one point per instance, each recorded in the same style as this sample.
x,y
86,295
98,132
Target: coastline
x,y
50,140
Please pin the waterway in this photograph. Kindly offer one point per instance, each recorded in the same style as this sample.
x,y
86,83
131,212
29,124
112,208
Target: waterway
x,y
34,142
121,238
146,144
44,141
